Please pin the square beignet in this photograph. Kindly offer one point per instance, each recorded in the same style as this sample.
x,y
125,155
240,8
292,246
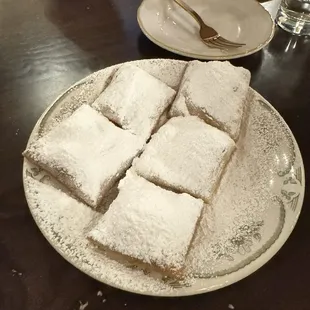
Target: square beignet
x,y
149,224
135,100
186,155
216,92
86,152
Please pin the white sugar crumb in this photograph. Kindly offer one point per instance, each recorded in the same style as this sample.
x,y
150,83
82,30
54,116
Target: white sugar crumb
x,y
124,101
230,306
99,293
86,152
216,91
104,300
149,223
65,222
15,272
186,155
83,306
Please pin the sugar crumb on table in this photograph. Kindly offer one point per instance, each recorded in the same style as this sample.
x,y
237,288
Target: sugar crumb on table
x,y
83,305
15,272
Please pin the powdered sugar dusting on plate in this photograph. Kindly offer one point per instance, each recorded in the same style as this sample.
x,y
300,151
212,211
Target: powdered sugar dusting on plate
x,y
84,92
65,221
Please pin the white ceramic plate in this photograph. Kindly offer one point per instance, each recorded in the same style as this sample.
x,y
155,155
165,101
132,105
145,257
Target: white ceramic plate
x,y
266,174
170,27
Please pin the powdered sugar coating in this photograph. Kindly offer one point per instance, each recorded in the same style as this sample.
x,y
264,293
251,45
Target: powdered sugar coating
x,y
216,92
125,99
86,152
149,223
186,155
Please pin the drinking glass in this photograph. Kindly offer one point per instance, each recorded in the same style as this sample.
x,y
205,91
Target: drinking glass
x,y
294,16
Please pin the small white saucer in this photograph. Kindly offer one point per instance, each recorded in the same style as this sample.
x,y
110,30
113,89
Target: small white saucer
x,y
170,27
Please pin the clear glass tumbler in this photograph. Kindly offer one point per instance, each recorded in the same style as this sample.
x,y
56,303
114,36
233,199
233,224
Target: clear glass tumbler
x,y
294,16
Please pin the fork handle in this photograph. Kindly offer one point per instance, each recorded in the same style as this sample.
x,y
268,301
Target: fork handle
x,y
189,10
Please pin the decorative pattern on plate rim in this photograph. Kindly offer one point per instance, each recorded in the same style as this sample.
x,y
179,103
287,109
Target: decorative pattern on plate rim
x,y
245,241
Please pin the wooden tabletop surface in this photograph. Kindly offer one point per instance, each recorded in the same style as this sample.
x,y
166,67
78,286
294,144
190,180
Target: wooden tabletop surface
x,y
45,46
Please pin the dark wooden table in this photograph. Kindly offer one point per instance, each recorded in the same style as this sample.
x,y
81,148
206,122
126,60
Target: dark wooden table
x,y
45,46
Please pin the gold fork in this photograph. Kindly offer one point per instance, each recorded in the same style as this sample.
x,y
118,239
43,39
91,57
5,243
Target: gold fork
x,y
208,35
